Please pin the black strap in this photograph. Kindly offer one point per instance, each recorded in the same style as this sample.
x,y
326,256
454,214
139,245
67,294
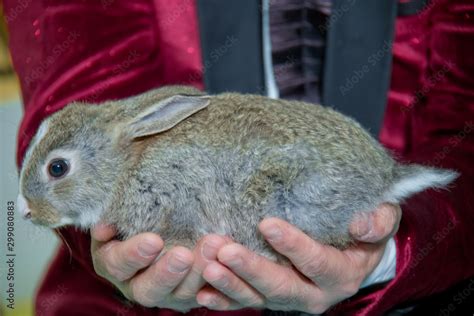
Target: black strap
x,y
231,44
358,59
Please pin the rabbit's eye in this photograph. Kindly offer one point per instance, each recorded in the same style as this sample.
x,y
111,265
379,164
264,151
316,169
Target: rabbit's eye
x,y
58,168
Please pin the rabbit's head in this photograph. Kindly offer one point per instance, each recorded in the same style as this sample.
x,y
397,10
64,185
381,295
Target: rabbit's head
x,y
77,155
68,169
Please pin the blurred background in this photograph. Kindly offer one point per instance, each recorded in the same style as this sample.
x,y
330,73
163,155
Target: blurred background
x,y
34,246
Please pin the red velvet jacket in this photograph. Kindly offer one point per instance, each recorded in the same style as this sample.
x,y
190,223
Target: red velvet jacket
x,y
71,50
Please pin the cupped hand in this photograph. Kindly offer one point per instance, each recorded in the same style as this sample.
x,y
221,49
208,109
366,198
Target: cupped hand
x,y
171,281
320,275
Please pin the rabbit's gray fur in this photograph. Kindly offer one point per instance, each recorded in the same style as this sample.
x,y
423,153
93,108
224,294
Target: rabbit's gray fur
x,y
221,170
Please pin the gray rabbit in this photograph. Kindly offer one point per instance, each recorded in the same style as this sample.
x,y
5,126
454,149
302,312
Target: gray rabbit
x,y
183,164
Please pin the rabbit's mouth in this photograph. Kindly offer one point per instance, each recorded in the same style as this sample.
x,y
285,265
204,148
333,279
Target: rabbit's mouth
x,y
41,213
23,207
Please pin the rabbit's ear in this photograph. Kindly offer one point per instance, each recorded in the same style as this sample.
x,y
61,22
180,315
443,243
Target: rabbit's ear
x,y
411,179
165,114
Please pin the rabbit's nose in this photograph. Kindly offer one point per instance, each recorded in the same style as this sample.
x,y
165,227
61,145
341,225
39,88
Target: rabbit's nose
x,y
23,208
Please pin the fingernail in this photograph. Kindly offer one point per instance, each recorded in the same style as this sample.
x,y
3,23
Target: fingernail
x,y
273,233
146,249
209,251
177,264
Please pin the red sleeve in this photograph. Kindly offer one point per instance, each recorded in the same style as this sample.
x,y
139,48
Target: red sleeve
x,y
430,120
95,50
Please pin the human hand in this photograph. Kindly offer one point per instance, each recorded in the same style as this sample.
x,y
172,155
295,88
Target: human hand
x,y
320,277
171,282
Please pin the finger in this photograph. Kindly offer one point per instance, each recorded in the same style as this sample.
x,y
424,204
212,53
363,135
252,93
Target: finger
x,y
320,263
361,225
156,283
102,232
232,286
282,286
377,226
123,259
204,253
213,299
364,257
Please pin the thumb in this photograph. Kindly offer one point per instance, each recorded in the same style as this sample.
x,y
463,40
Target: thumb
x,y
361,226
103,232
378,225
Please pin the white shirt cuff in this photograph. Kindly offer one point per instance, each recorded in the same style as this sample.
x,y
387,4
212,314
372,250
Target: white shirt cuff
x,y
386,269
